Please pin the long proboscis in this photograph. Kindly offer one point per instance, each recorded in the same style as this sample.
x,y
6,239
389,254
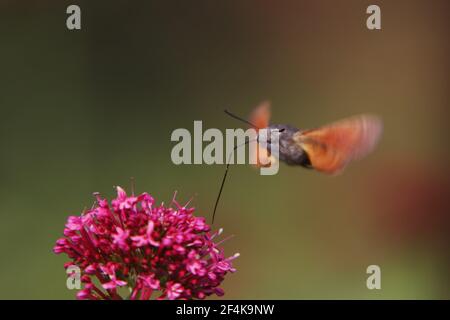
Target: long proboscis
x,y
231,154
229,159
225,175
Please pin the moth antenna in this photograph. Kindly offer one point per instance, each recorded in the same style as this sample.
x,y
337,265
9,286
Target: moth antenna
x,y
225,177
240,119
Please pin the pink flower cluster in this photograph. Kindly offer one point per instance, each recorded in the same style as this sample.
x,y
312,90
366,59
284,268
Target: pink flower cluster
x,y
155,251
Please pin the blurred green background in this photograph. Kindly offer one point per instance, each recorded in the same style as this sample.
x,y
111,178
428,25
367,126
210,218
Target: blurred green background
x,y
82,111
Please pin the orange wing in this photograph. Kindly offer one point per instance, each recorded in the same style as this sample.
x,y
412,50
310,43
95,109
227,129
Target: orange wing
x,y
261,157
331,148
260,117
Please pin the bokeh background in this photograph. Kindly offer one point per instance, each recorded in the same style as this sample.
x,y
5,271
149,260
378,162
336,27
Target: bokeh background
x,y
82,111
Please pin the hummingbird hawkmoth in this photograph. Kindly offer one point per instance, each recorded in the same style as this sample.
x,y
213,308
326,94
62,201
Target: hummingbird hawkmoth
x,y
328,149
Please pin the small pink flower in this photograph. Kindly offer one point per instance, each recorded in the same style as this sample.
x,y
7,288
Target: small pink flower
x,y
196,268
110,271
147,238
120,238
121,194
174,290
150,281
114,283
85,294
74,223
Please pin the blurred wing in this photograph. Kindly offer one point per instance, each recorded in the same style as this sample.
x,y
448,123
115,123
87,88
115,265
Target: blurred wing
x,y
260,157
331,148
260,117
